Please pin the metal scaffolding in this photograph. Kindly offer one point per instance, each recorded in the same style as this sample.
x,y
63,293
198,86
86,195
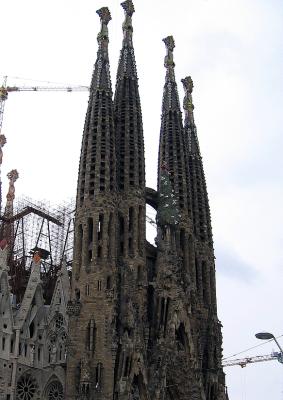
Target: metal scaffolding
x,y
42,227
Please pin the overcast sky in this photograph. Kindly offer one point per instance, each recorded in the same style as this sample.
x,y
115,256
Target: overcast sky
x,y
233,51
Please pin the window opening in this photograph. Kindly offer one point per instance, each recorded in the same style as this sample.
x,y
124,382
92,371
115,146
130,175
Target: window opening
x,y
108,282
90,230
100,227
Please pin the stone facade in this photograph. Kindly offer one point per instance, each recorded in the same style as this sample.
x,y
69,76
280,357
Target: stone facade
x,y
143,319
138,322
33,337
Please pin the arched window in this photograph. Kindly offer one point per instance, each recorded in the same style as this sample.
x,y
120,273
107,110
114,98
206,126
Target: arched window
x,y
27,388
54,391
98,375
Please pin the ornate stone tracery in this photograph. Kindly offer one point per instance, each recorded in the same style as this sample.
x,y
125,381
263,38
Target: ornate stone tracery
x,y
27,388
54,391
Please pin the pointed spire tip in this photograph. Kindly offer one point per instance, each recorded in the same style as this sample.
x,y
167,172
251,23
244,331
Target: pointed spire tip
x,y
128,7
170,45
104,15
188,84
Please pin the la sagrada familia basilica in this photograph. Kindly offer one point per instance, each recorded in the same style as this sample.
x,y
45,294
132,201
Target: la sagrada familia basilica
x,y
126,319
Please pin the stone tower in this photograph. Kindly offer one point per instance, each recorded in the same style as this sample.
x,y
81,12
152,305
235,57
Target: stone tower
x,y
142,318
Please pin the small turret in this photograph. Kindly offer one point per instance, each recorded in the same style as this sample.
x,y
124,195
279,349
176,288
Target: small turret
x,y
172,145
197,182
128,115
97,173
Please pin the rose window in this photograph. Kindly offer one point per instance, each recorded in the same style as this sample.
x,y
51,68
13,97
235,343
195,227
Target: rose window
x,y
26,388
55,391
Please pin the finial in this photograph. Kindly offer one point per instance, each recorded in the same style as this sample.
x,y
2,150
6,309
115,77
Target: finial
x,y
103,37
188,84
104,14
189,116
128,6
129,9
188,101
170,45
12,176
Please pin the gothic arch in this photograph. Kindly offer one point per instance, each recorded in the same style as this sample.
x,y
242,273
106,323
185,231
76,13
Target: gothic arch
x,y
54,389
138,389
27,387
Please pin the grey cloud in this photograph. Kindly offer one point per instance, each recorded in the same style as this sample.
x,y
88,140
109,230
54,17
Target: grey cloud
x,y
230,265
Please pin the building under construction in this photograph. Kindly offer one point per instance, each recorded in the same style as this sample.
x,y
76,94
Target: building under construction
x,y
37,226
36,246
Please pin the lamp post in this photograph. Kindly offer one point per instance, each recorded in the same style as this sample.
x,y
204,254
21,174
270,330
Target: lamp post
x,y
270,336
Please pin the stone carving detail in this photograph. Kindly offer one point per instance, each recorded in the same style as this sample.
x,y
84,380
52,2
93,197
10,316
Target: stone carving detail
x,y
55,391
144,331
170,45
3,141
27,388
12,176
105,18
127,24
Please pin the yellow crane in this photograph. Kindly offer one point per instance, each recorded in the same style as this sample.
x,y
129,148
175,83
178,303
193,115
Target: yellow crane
x,y
243,362
5,90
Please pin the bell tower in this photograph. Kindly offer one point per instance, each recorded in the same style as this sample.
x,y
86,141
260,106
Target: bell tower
x,y
91,358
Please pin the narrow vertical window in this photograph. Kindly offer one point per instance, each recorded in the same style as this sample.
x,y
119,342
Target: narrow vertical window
x,y
100,227
182,239
197,274
162,310
90,230
131,218
98,375
121,235
80,238
166,314
89,260
204,280
139,274
140,230
127,366
108,283
3,343
99,251
110,238
130,246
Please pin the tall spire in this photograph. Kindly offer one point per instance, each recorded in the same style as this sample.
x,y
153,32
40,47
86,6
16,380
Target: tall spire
x,y
2,143
170,95
190,127
92,301
8,227
128,115
197,185
129,9
101,77
97,164
172,145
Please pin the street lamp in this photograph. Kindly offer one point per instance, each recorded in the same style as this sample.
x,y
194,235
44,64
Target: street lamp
x,y
270,336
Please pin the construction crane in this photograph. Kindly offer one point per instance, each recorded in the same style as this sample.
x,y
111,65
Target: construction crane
x,y
5,90
243,362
